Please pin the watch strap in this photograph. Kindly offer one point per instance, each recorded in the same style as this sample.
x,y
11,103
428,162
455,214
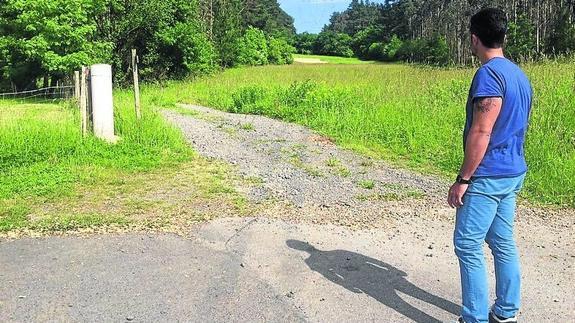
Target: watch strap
x,y
460,180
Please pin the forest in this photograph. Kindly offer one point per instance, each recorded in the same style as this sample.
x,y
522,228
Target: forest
x,y
436,31
43,41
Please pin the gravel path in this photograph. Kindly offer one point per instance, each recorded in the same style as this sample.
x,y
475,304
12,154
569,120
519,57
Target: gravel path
x,y
300,175
297,173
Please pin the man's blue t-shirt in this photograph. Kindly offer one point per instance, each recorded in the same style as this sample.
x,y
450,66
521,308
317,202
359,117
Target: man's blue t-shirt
x,y
500,77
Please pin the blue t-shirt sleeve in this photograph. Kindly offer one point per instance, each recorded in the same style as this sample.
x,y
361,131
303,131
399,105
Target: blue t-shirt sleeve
x,y
487,84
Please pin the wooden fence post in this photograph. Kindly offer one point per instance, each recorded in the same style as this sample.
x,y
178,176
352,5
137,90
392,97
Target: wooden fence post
x,y
136,84
84,100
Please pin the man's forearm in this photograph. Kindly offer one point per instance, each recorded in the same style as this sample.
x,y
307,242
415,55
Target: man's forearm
x,y
475,149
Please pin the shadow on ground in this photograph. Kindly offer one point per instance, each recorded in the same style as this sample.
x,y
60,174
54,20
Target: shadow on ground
x,y
362,274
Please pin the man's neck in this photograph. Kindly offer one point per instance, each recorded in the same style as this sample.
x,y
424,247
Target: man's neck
x,y
490,53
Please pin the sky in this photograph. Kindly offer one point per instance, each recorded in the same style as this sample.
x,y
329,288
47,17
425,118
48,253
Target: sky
x,y
312,15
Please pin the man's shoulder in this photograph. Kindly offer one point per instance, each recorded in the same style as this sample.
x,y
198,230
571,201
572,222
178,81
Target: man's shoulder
x,y
489,73
503,66
504,70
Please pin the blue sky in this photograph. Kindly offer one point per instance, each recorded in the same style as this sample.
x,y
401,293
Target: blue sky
x,y
311,15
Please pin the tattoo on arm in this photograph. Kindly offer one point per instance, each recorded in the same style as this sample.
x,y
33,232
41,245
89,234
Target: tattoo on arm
x,y
485,104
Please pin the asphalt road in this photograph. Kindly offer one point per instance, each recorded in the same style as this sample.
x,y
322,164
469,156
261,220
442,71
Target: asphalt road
x,y
133,277
252,270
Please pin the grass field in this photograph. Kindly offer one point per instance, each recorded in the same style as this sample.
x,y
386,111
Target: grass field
x,y
47,169
410,115
52,179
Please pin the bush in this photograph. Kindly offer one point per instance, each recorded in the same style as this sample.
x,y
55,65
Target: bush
x,y
376,51
392,48
250,99
385,52
280,52
185,49
333,44
294,101
428,51
296,94
253,48
363,40
438,53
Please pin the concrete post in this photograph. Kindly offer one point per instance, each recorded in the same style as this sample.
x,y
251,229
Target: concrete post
x,y
84,100
102,102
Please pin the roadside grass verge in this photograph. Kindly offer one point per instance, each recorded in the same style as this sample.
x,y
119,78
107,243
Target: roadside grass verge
x,y
168,198
412,116
52,179
42,152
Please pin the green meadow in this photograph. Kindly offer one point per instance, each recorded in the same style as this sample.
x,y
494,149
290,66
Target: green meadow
x,y
52,179
42,151
410,116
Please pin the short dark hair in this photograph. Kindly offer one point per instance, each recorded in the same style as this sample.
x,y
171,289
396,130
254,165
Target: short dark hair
x,y
490,25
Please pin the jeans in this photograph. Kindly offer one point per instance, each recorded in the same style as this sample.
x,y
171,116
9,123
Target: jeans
x,y
488,214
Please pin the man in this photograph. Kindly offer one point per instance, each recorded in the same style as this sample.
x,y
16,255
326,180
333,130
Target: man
x,y
492,174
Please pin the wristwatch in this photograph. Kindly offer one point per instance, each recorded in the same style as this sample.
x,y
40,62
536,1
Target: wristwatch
x,y
460,180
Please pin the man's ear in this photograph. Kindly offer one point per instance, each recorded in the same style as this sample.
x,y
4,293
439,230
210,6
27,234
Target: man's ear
x,y
474,40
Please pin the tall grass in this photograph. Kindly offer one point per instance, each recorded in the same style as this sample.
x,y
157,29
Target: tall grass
x,y
412,115
43,154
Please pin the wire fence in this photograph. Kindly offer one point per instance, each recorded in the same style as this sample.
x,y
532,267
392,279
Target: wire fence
x,y
51,93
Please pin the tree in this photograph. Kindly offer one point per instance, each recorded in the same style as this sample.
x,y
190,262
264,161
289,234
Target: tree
x,y
363,39
227,30
335,44
48,39
536,27
267,16
357,17
305,42
128,24
520,40
185,50
392,48
562,38
280,52
437,51
376,52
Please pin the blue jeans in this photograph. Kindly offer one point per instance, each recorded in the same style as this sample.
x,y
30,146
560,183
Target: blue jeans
x,y
488,214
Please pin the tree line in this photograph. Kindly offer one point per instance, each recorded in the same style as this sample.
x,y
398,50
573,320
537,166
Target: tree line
x,y
437,31
43,41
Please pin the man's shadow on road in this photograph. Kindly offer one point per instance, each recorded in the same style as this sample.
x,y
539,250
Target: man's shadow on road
x,y
361,274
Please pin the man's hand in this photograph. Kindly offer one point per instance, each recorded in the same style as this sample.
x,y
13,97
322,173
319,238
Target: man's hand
x,y
455,195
